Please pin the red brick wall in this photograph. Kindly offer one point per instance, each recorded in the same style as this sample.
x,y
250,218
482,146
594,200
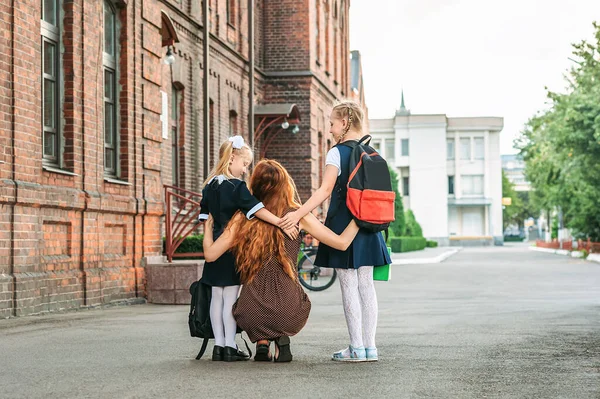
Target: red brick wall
x,y
75,239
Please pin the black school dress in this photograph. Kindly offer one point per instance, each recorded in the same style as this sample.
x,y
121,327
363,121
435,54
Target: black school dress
x,y
222,198
368,248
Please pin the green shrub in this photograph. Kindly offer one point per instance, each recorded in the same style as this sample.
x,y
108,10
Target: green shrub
x,y
432,244
398,226
407,244
190,244
413,228
513,239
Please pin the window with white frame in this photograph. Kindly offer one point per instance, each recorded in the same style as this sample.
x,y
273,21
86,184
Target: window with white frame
x,y
479,148
390,152
450,149
110,72
472,184
465,148
404,147
51,84
406,186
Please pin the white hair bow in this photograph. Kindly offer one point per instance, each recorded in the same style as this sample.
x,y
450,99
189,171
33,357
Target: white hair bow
x,y
238,142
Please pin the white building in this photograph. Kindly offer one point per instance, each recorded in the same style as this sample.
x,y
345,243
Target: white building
x,y
449,173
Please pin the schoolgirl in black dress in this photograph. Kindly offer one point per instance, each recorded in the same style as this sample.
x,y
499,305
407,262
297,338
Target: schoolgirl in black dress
x,y
223,195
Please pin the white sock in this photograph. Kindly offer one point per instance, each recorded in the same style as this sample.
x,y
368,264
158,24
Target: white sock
x,y
230,295
216,315
369,306
352,307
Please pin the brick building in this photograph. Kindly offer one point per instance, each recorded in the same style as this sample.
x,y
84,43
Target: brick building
x,y
93,123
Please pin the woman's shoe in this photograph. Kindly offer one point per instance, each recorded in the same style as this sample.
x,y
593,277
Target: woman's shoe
x,y
262,353
233,354
284,354
217,353
372,354
350,354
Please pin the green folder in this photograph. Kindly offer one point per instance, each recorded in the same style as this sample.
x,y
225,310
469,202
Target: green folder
x,y
383,273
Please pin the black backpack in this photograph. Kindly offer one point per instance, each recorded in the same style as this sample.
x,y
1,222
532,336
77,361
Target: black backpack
x,y
370,197
199,317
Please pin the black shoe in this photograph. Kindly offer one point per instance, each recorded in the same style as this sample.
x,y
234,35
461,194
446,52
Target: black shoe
x,y
262,353
283,347
217,353
233,354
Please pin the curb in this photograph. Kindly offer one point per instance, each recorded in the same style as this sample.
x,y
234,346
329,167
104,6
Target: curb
x,y
422,261
564,252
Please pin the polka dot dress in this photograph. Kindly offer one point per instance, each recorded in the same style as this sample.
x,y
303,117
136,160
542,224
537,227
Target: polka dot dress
x,y
273,304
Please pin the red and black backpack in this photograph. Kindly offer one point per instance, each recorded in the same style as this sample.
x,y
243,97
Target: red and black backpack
x,y
370,197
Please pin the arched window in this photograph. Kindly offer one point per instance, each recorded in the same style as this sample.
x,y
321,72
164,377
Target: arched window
x,y
51,84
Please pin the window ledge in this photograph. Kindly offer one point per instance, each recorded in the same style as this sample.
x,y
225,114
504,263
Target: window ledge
x,y
231,26
116,181
59,171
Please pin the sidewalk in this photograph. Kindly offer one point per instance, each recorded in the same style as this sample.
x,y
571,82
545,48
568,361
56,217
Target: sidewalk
x,y
426,256
564,252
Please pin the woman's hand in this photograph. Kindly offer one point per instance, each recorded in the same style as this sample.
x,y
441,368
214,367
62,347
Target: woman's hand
x,y
289,221
292,232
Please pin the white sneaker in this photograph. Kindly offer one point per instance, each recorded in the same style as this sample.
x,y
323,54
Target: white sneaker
x,y
350,354
371,354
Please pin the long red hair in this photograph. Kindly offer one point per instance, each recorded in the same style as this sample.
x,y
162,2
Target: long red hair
x,y
256,241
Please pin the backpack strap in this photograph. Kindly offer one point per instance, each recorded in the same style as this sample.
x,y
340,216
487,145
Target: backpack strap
x,y
203,349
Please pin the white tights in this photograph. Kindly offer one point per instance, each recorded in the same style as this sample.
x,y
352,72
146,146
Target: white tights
x,y
360,305
221,315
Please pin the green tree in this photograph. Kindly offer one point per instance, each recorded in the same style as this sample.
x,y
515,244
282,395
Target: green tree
x,y
513,213
398,226
561,145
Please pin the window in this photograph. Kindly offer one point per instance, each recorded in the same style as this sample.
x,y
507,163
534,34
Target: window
x,y
210,135
465,148
51,72
233,122
450,149
472,184
175,116
389,150
231,12
479,148
318,30
109,63
404,143
450,184
405,186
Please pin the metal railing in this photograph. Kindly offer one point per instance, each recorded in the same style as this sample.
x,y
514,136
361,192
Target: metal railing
x,y
182,211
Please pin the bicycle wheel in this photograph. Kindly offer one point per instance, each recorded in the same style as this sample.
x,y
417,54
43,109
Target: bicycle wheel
x,y
313,277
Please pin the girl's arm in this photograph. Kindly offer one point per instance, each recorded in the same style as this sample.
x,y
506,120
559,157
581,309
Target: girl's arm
x,y
248,204
322,193
322,233
214,249
266,216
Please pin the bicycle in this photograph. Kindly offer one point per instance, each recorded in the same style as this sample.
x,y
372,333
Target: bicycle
x,y
312,276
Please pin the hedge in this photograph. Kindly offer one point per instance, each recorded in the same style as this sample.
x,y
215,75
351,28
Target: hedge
x,y
514,239
190,244
407,244
432,244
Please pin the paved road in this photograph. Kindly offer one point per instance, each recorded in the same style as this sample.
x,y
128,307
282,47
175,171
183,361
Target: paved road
x,y
499,322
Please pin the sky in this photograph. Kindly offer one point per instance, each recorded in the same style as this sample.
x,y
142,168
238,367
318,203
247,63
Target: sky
x,y
468,57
